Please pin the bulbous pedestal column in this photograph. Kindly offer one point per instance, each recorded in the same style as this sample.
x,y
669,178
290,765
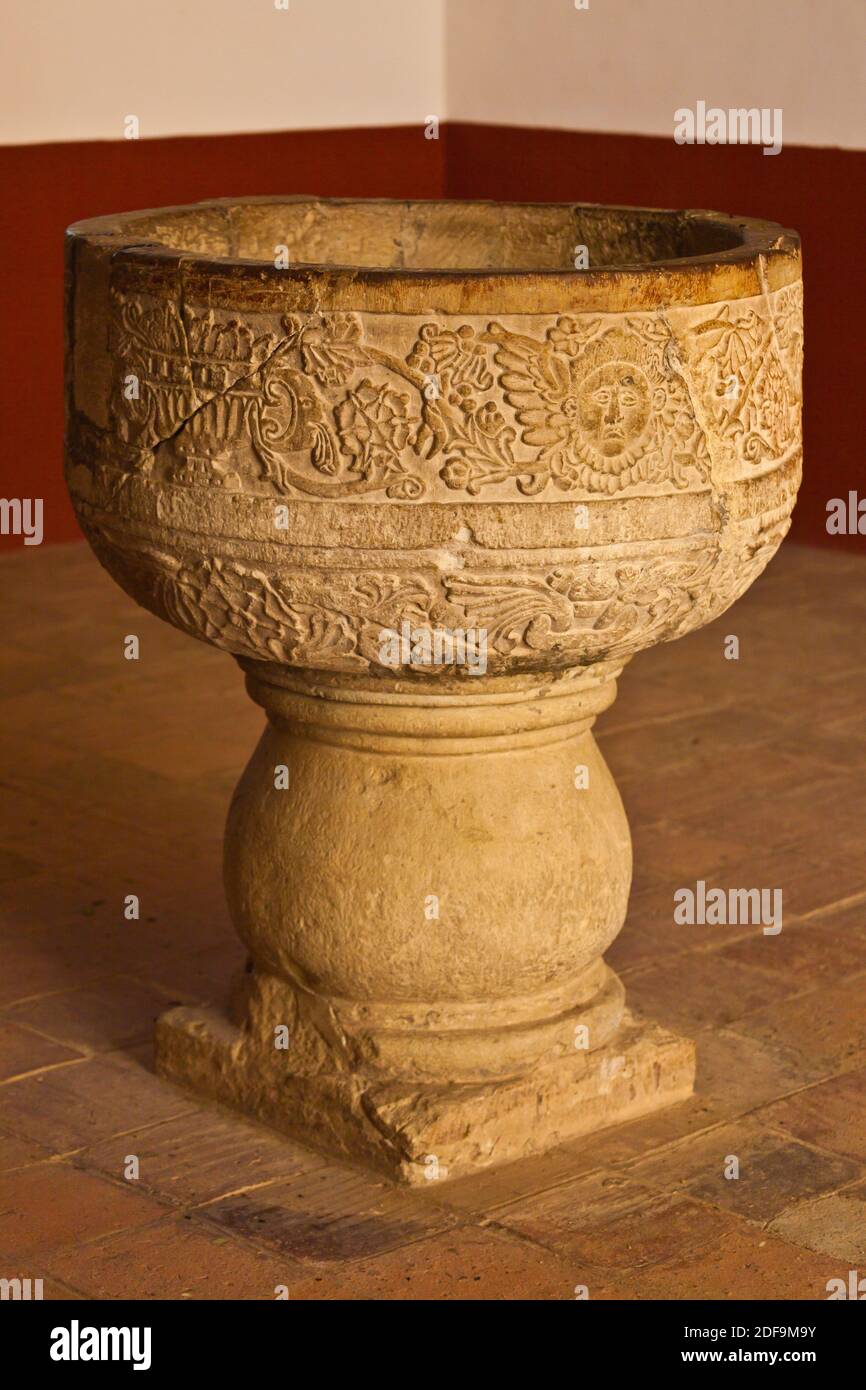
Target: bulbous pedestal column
x,y
421,422
426,885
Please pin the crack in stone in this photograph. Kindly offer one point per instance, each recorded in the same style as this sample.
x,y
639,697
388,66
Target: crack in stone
x,y
217,395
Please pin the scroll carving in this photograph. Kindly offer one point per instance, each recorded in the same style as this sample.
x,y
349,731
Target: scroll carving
x,y
355,407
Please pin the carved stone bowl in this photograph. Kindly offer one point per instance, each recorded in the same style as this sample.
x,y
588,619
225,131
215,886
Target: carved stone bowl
x,y
456,425
314,432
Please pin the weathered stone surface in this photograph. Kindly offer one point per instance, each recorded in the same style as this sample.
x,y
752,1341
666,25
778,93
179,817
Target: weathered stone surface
x,y
421,1132
295,426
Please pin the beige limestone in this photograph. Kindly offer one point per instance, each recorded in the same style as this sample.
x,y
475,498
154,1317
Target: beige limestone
x,y
294,427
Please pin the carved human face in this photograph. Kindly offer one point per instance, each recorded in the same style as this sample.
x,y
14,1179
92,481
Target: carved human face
x,y
613,407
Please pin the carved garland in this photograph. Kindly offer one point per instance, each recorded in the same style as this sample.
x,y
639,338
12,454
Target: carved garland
x,y
317,410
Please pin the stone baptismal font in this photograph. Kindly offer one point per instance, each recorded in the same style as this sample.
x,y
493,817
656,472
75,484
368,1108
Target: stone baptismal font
x,y
433,487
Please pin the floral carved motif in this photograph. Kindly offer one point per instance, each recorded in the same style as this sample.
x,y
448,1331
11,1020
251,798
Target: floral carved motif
x,y
748,367
605,409
345,405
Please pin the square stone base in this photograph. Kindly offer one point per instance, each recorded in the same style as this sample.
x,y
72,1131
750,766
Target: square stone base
x,y
414,1132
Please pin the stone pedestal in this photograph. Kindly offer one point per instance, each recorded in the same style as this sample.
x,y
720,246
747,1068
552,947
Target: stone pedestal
x,y
420,416
426,883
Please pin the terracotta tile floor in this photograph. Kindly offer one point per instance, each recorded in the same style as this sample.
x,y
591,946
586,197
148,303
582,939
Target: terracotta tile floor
x,y
745,773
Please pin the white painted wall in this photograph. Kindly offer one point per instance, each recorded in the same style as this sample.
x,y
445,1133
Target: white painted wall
x,y
74,69
627,65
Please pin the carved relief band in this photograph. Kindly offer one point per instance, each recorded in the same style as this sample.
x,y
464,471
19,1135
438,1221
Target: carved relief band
x,y
426,422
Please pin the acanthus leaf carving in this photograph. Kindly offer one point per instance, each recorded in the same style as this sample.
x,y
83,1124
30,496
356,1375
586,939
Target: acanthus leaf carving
x,y
583,612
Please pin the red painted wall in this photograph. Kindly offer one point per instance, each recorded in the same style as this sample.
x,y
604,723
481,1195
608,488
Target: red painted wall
x,y
45,187
817,191
821,193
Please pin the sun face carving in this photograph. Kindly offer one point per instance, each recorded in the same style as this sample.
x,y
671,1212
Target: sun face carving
x,y
608,411
616,387
613,407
